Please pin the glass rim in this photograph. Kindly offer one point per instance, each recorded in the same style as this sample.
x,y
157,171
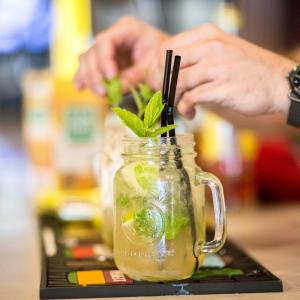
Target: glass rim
x,y
179,136
158,146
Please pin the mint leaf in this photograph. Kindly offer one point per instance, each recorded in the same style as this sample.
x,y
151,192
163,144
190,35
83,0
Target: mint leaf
x,y
229,272
148,223
72,277
138,101
160,130
153,110
123,200
146,92
152,113
173,225
131,120
114,91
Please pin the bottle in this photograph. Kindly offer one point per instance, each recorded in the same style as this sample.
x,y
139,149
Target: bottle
x,y
79,140
38,117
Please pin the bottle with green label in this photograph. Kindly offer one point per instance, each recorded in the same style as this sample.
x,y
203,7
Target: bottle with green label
x,y
79,141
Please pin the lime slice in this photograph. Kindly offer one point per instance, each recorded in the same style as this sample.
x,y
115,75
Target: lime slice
x,y
147,177
142,177
128,174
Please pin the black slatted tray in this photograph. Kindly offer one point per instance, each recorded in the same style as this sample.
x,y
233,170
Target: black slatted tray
x,y
256,278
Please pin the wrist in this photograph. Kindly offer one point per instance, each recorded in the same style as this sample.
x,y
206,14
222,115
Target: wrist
x,y
281,101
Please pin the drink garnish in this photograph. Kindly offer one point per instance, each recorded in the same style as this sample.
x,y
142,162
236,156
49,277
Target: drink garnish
x,y
114,91
146,127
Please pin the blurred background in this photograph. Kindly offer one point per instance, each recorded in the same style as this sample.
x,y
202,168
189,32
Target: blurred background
x,y
52,137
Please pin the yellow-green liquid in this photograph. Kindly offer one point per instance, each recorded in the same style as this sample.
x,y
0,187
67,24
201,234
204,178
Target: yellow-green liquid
x,y
163,260
148,242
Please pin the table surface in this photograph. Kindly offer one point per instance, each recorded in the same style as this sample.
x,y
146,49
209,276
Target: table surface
x,y
271,235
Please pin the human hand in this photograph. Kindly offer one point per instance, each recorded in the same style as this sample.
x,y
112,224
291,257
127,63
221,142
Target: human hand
x,y
218,68
125,49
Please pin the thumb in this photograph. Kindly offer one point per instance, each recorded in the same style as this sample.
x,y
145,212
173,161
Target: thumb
x,y
154,76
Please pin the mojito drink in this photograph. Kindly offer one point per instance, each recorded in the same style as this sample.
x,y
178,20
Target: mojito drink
x,y
152,233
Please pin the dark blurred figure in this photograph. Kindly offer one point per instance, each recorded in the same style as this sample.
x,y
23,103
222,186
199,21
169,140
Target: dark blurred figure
x,y
24,44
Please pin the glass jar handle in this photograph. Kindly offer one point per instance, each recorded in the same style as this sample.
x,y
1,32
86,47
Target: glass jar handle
x,y
219,211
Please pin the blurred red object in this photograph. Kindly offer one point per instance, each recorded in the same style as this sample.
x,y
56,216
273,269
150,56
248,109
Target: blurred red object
x,y
277,172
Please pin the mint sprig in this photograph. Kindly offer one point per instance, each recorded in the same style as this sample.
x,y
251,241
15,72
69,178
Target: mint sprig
x,y
229,272
141,97
145,128
160,130
114,94
153,110
174,223
146,92
147,222
131,120
114,91
139,102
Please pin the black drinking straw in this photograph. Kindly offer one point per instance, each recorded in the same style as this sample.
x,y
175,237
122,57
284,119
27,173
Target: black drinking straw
x,y
171,98
166,84
177,150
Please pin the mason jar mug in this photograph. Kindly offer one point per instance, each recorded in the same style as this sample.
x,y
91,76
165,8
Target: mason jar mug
x,y
159,204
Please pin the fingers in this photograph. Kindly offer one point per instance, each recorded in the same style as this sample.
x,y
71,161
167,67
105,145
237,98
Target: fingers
x,y
77,80
94,76
105,56
154,76
89,74
191,77
122,35
193,44
206,53
188,78
201,51
202,33
206,93
99,62
132,76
